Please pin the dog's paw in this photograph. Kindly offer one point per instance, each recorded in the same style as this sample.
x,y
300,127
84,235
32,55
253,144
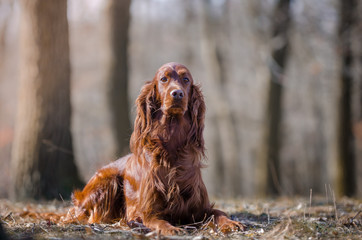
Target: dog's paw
x,y
225,225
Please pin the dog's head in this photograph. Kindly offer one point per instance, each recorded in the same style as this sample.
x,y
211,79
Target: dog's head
x,y
173,82
172,93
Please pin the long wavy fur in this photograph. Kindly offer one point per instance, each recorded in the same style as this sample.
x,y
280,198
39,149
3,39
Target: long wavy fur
x,y
170,183
159,184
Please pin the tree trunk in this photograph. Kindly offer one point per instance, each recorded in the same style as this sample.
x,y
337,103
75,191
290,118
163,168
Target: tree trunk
x,y
271,146
42,156
346,184
357,96
117,23
225,145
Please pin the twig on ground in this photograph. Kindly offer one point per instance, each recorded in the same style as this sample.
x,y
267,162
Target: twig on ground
x,y
356,215
43,229
207,222
69,212
195,223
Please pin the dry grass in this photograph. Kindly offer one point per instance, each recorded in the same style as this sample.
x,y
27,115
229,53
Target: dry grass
x,y
282,218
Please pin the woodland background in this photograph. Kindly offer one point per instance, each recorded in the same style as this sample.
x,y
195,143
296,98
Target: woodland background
x,y
282,81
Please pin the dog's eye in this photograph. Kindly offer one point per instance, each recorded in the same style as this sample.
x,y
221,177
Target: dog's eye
x,y
164,79
186,80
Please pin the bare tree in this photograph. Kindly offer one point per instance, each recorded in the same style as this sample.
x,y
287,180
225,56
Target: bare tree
x,y
117,23
224,146
42,155
357,96
349,110
270,151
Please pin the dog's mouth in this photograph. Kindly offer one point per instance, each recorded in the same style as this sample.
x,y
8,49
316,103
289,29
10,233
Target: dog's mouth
x,y
175,108
175,111
177,105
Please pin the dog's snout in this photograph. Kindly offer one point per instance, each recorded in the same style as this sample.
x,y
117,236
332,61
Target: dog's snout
x,y
177,94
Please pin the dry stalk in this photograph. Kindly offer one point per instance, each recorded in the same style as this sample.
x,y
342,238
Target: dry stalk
x,y
310,200
335,206
305,206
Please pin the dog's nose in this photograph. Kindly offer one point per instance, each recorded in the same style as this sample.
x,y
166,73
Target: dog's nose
x,y
177,94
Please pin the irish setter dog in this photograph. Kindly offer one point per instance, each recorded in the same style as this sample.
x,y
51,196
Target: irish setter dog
x,y
159,184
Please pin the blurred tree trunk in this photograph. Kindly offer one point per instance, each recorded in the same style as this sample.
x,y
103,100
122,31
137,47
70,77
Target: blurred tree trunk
x,y
357,96
350,115
225,144
42,155
117,22
309,100
270,152
233,83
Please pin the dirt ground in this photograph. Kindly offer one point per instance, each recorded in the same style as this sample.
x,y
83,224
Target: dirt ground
x,y
282,218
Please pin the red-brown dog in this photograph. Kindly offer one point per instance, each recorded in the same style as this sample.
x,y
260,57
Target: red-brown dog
x,y
159,184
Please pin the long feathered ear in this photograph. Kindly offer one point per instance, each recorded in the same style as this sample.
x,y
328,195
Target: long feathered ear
x,y
146,105
197,110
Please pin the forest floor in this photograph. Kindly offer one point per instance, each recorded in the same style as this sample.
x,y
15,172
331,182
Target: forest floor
x,y
282,218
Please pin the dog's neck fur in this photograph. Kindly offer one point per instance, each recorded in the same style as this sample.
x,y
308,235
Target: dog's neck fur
x,y
171,135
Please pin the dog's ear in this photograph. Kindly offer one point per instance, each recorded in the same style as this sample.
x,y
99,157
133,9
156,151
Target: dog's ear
x,y
197,109
146,105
